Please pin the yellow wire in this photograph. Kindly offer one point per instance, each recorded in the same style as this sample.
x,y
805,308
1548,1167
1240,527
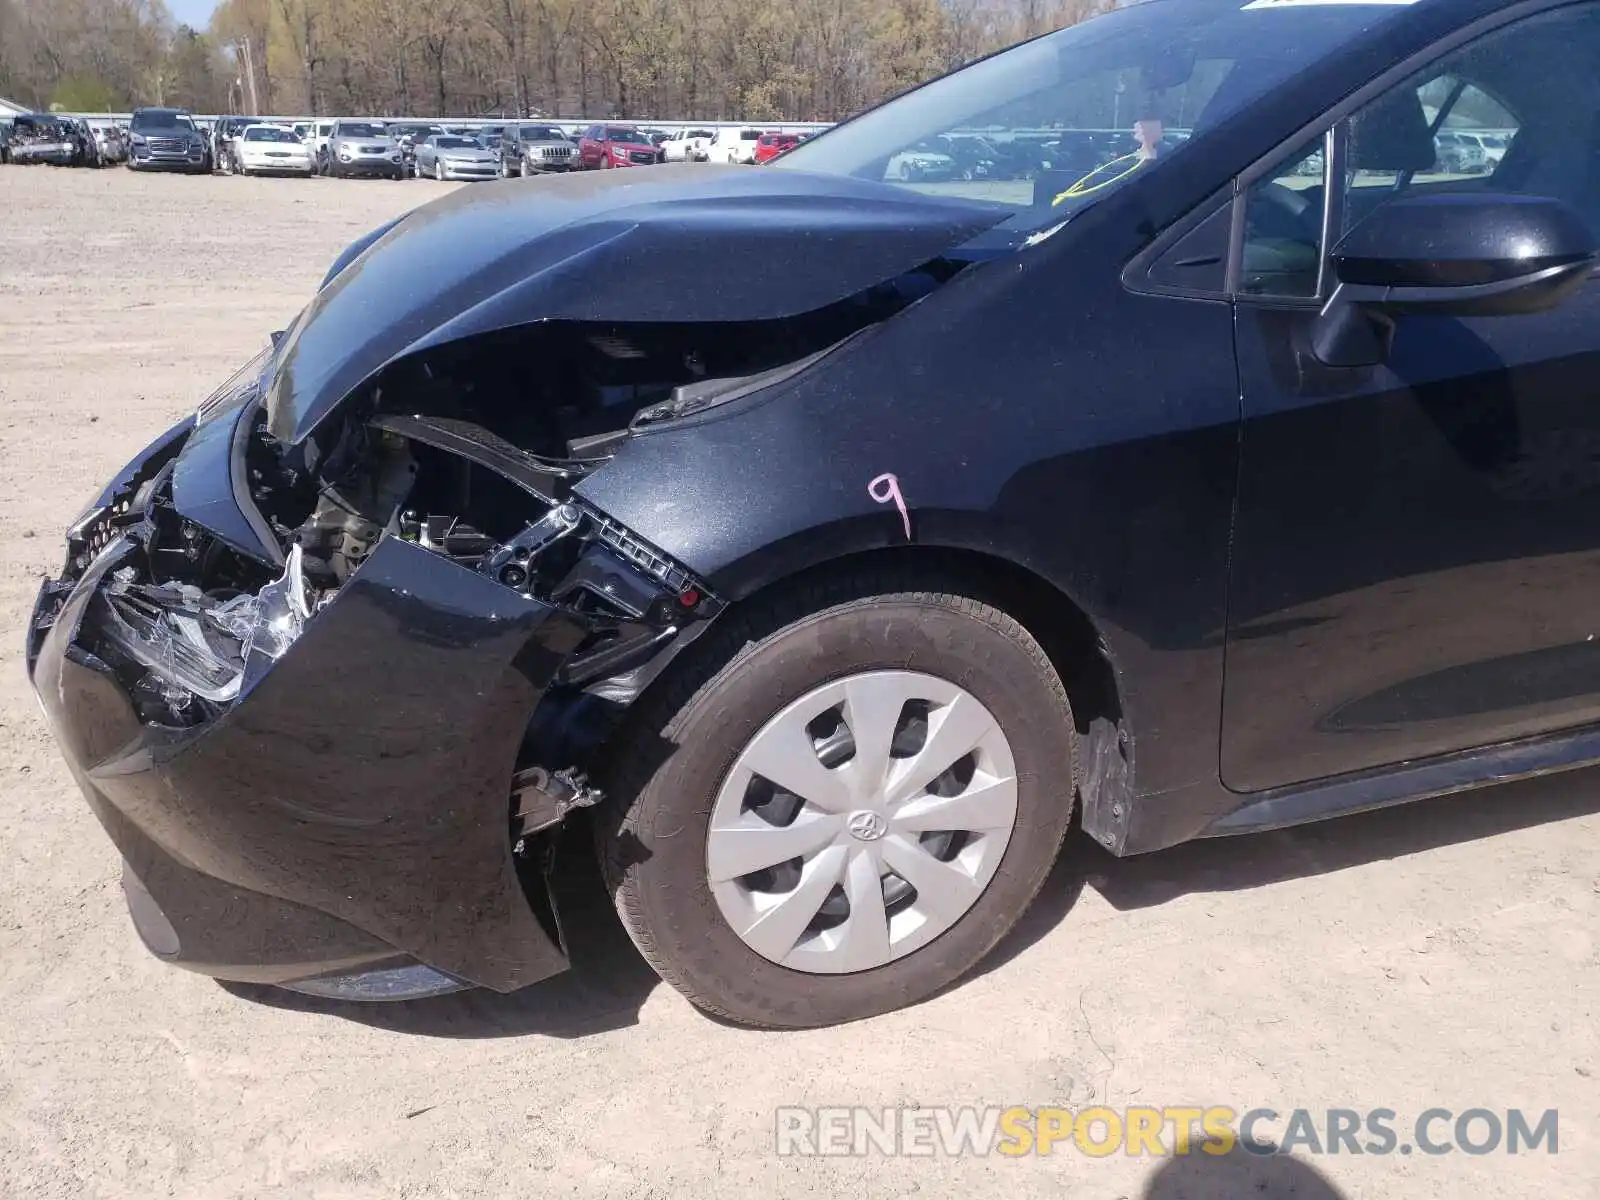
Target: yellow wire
x,y
1077,189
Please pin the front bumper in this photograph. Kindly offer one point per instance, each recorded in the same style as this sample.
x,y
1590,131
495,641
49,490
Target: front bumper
x,y
343,825
366,165
57,154
160,160
278,166
470,172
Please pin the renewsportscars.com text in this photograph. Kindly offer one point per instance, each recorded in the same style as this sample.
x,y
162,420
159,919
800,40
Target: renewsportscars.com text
x,y
1099,1131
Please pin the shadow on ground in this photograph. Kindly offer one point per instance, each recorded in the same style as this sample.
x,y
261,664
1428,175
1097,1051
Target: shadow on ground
x,y
604,990
1255,860
1238,1175
609,981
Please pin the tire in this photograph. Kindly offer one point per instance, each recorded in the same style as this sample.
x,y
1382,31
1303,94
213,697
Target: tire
x,y
682,748
522,168
438,170
505,169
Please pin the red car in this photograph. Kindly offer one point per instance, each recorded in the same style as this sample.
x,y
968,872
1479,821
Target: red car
x,y
615,146
770,145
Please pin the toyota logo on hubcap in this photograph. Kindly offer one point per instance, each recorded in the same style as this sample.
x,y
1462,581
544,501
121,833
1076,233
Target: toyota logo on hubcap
x,y
867,826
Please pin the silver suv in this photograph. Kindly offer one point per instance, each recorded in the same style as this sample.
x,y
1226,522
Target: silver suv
x,y
363,148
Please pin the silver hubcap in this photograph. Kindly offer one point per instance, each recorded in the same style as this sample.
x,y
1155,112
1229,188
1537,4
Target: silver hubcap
x,y
862,822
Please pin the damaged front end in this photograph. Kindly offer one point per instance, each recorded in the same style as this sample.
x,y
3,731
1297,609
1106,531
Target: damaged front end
x,y
299,687
331,660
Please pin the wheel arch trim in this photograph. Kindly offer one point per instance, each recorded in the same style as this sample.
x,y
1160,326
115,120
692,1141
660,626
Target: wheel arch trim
x,y
964,546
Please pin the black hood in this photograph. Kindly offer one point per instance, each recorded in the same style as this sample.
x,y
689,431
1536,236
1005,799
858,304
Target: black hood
x,y
677,244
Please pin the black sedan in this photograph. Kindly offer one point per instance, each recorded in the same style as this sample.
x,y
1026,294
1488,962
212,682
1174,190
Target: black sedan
x,y
1236,481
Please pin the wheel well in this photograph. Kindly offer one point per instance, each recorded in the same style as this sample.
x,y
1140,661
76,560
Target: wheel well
x,y
1103,759
1063,629
1104,750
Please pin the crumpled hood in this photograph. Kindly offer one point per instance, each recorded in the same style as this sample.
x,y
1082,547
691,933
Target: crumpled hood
x,y
678,244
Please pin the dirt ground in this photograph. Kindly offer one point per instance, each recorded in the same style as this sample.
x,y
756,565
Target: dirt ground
x,y
1440,955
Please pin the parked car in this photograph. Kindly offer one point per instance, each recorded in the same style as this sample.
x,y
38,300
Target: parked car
x,y
224,142
268,149
732,145
446,156
489,136
535,149
167,139
358,148
1460,155
974,157
770,145
539,508
39,138
924,162
1494,147
303,130
605,146
320,137
407,136
111,146
687,145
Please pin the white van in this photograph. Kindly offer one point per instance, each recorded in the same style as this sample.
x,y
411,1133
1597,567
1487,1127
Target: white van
x,y
733,146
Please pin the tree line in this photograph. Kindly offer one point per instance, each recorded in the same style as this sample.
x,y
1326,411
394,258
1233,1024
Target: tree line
x,y
758,60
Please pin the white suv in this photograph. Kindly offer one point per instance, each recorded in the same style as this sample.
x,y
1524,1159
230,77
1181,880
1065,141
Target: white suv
x,y
733,146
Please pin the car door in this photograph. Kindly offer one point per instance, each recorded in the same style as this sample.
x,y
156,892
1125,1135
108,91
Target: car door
x,y
1416,558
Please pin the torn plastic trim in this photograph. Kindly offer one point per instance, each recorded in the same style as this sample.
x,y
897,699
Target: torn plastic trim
x,y
534,475
692,398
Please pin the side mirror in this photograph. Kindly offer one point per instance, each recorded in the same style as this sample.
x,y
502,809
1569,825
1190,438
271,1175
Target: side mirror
x,y
1454,254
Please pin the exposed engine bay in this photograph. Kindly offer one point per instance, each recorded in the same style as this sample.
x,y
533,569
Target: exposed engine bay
x,y
470,452
193,629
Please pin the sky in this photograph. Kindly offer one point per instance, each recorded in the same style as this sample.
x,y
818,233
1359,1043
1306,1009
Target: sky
x,y
195,13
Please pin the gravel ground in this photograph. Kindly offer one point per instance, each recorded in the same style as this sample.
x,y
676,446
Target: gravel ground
x,y
1440,955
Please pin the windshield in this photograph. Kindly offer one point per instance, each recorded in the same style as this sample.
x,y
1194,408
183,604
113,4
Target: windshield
x,y
259,134
360,129
445,142
1071,116
161,121
542,133
615,133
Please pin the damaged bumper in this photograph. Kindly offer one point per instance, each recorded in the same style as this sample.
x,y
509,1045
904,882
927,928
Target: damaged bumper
x,y
315,788
348,812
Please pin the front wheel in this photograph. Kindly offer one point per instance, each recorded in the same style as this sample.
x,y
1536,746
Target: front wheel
x,y
833,833
438,171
